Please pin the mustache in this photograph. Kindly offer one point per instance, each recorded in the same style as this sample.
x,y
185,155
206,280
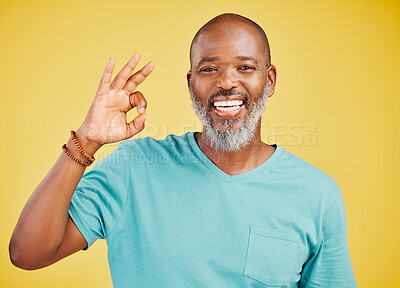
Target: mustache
x,y
230,92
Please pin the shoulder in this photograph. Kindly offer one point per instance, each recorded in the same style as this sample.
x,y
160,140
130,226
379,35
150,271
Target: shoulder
x,y
316,183
148,142
171,146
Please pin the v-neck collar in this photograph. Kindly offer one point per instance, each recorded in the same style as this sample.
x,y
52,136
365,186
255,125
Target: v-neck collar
x,y
224,176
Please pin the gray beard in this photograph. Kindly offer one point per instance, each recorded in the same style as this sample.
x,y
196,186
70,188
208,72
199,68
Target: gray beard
x,y
229,138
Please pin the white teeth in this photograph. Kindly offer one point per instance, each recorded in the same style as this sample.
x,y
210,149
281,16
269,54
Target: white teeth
x,y
227,108
228,103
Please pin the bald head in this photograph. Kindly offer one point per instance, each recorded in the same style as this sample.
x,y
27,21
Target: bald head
x,y
232,21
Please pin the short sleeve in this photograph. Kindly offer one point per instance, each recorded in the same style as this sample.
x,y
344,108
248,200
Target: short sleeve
x,y
329,265
99,199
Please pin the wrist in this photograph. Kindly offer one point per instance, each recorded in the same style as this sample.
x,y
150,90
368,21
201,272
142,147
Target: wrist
x,y
88,145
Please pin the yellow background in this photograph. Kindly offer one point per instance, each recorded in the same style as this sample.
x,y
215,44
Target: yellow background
x,y
338,72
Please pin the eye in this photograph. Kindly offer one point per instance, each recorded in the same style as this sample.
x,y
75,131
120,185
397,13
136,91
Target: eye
x,y
246,68
208,69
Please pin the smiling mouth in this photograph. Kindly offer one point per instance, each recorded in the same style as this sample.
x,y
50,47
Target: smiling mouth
x,y
228,106
228,109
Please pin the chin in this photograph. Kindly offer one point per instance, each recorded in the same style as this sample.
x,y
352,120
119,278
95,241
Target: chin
x,y
227,125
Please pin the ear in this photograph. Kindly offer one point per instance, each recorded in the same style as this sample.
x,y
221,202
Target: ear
x,y
271,78
189,77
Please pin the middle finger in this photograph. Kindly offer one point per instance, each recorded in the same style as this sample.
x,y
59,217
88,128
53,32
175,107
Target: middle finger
x,y
125,73
138,78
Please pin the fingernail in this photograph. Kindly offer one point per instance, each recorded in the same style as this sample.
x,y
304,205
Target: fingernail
x,y
141,110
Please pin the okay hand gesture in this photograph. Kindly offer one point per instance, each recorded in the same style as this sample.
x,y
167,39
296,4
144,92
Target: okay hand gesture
x,y
106,119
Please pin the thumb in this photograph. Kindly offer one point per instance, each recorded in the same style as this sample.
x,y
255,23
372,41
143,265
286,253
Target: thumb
x,y
135,126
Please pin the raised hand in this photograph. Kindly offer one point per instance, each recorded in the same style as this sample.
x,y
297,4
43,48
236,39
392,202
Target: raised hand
x,y
106,119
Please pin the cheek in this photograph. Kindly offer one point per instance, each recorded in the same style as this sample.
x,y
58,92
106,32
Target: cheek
x,y
202,89
255,87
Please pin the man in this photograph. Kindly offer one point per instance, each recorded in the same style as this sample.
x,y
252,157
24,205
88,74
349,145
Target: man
x,y
218,208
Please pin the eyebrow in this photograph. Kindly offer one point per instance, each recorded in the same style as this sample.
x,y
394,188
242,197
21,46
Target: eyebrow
x,y
249,58
208,59
215,58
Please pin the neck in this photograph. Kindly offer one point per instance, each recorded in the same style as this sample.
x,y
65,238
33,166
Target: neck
x,y
252,155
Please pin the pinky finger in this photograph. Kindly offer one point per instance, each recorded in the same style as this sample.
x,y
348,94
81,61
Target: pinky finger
x,y
135,126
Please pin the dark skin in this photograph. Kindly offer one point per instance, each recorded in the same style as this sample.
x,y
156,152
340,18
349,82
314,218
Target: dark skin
x,y
231,55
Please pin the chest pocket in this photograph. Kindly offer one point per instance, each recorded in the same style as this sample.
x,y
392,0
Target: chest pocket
x,y
270,258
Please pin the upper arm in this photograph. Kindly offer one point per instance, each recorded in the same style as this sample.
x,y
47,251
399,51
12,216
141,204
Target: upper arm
x,y
72,242
96,205
330,264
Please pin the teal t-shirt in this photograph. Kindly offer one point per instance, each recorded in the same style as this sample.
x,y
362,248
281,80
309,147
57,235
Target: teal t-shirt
x,y
172,218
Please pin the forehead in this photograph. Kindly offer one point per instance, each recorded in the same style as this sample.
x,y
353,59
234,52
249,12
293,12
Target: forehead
x,y
228,41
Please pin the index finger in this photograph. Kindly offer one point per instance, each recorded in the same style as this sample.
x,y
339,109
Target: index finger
x,y
138,77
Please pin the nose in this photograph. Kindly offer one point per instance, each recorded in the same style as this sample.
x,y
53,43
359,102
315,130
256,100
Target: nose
x,y
227,81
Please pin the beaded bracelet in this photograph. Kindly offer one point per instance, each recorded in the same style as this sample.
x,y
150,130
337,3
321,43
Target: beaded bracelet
x,y
64,147
90,158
